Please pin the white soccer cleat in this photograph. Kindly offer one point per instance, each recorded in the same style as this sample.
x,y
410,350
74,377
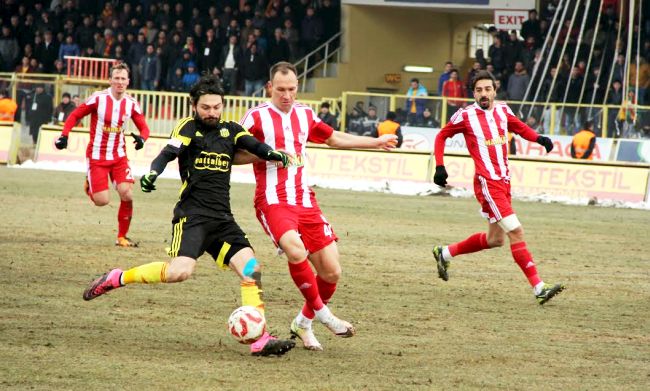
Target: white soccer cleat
x,y
339,327
306,334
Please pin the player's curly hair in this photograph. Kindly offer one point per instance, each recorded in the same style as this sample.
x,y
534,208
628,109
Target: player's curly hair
x,y
207,85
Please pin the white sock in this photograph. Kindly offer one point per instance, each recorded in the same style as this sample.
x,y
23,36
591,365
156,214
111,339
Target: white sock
x,y
303,321
446,255
324,314
538,288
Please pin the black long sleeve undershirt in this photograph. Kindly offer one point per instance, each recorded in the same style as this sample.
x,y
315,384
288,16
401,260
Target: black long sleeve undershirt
x,y
166,155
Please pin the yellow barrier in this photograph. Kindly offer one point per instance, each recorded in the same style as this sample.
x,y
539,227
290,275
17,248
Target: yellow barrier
x,y
602,115
9,142
573,179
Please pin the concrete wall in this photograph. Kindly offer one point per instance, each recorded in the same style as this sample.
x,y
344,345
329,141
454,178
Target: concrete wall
x,y
380,40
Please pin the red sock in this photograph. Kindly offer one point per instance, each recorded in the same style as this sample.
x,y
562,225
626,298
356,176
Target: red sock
x,y
525,261
124,218
474,243
326,291
305,280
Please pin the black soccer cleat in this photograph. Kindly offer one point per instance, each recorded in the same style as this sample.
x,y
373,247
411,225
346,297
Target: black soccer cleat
x,y
548,292
442,264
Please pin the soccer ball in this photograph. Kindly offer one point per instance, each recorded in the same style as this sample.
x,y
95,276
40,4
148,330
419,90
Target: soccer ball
x,y
246,324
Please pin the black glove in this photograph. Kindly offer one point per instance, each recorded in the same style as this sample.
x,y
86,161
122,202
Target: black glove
x,y
280,157
440,177
146,182
138,141
546,143
61,142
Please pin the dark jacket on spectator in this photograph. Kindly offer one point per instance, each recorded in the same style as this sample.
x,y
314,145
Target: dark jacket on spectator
x,y
278,50
209,61
254,66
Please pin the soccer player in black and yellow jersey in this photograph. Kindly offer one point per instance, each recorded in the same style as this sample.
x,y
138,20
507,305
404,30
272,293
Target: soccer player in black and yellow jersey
x,y
205,147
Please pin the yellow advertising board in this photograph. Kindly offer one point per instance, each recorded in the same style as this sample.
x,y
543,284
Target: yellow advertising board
x,y
604,180
9,139
367,165
139,161
574,180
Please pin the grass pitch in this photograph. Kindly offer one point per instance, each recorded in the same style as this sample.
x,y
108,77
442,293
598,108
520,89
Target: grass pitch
x,y
481,330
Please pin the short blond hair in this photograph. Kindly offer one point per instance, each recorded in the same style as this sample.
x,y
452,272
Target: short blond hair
x,y
118,67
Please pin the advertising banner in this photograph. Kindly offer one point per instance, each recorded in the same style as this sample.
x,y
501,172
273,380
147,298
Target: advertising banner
x,y
633,151
422,139
328,163
6,136
581,180
139,161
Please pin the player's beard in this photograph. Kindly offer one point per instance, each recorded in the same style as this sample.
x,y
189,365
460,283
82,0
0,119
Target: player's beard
x,y
484,103
210,122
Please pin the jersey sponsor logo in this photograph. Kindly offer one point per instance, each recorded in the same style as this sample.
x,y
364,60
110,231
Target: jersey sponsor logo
x,y
111,129
496,141
224,132
212,161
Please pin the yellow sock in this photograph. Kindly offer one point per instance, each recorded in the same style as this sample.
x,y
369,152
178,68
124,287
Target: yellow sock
x,y
149,273
251,295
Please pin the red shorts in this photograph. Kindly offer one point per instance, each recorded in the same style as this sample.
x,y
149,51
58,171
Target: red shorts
x,y
316,233
100,170
494,197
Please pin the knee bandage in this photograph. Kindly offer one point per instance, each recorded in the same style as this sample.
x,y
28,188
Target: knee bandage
x,y
509,223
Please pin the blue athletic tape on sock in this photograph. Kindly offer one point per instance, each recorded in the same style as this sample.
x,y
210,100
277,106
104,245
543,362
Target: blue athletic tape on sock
x,y
249,269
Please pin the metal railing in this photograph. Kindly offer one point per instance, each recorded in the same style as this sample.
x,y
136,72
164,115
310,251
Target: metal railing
x,y
313,60
557,118
88,67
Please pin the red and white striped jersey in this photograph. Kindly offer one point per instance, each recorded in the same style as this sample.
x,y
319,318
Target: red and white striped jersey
x,y
289,132
486,136
107,121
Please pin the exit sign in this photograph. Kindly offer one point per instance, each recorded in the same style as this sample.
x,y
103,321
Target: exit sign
x,y
509,19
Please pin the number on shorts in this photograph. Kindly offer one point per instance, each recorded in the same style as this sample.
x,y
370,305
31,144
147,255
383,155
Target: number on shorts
x,y
128,174
327,229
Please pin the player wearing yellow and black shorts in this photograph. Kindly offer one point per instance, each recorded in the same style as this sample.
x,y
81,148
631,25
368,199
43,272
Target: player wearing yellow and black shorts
x,y
205,148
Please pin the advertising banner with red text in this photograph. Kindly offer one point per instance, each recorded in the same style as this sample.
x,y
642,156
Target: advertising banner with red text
x,y
139,161
422,139
379,166
573,180
6,136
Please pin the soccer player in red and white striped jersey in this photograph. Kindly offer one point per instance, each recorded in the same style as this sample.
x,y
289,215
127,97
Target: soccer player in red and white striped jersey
x,y
485,126
286,206
106,158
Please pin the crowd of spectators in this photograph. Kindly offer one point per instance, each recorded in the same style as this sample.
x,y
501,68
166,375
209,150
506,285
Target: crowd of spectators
x,y
512,57
167,44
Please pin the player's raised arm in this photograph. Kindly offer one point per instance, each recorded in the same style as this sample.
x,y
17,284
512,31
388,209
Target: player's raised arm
x,y
386,142
517,126
245,140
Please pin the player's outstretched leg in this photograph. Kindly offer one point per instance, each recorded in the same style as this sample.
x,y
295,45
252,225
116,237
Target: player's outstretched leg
x,y
304,331
548,291
441,263
269,345
103,284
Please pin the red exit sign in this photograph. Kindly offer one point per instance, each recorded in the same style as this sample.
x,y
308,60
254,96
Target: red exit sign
x,y
509,19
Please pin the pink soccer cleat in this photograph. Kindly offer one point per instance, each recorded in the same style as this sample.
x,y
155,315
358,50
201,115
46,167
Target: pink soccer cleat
x,y
268,345
103,284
